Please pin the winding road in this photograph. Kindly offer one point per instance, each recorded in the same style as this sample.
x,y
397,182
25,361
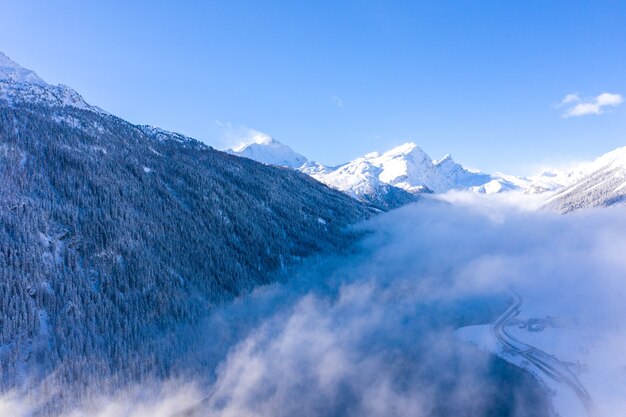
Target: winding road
x,y
546,363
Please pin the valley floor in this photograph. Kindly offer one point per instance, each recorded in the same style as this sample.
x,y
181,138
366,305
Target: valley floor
x,y
589,362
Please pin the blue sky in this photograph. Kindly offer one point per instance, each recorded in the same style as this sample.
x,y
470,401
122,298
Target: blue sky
x,y
481,80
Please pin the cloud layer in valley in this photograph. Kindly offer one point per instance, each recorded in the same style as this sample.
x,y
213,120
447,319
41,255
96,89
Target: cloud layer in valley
x,y
372,334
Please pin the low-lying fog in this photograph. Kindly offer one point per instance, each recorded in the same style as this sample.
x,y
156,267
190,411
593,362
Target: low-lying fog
x,y
372,334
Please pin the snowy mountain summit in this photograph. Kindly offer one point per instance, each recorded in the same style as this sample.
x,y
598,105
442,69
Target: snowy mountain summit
x,y
407,168
20,85
268,150
386,180
399,175
10,71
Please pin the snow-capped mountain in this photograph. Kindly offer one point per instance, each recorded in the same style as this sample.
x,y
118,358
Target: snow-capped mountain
x,y
13,72
495,186
458,177
267,150
360,179
400,175
406,167
409,168
601,182
386,180
21,85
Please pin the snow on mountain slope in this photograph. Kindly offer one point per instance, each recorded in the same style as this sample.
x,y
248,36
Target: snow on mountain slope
x,y
356,178
11,71
457,176
371,176
555,179
20,85
315,168
410,168
269,151
599,183
406,167
399,175
360,180
547,181
384,180
494,186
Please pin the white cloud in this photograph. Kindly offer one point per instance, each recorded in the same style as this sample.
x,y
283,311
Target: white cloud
x,y
337,100
576,106
346,338
570,98
236,136
371,335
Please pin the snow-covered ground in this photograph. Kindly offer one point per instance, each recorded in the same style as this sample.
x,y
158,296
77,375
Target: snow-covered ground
x,y
585,346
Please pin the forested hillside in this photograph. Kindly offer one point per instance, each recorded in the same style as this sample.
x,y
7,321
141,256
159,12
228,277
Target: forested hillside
x,y
600,183
111,235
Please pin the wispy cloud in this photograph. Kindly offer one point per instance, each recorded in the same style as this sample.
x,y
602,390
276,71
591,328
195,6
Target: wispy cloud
x,y
337,100
576,106
236,136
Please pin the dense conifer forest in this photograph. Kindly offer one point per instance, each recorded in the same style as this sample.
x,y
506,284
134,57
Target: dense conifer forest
x,y
113,235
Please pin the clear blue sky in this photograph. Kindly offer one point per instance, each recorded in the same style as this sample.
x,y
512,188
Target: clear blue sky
x,y
337,79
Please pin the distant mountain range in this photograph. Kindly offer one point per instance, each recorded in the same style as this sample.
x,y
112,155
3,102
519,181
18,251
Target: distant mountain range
x,y
400,175
386,180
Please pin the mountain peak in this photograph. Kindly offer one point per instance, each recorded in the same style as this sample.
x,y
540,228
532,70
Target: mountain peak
x,y
21,85
444,161
399,174
268,150
404,149
12,71
257,139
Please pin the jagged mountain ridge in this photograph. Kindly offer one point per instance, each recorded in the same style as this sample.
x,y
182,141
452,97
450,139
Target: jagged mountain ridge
x,y
400,175
386,180
408,167
112,235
